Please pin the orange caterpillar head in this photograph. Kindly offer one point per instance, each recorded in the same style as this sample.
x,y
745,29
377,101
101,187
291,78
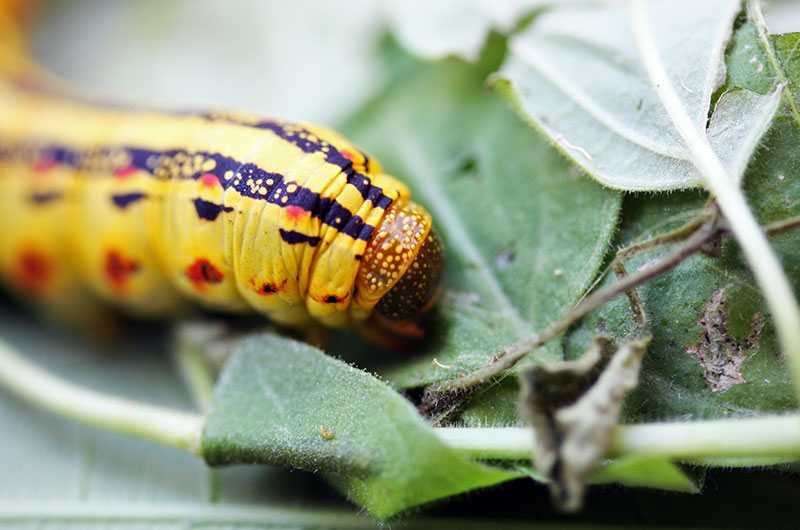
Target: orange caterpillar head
x,y
402,265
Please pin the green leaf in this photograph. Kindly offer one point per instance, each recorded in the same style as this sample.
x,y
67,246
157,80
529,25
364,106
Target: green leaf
x,y
646,471
525,233
672,381
589,91
747,61
675,385
640,471
675,382
786,48
282,402
679,379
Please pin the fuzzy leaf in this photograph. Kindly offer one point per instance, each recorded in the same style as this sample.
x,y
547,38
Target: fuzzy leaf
x,y
673,384
283,402
590,93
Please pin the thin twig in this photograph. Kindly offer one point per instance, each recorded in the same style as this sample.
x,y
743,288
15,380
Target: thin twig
x,y
782,226
516,352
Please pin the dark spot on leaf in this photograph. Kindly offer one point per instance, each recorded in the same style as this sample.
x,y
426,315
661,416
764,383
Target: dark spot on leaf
x,y
505,258
467,165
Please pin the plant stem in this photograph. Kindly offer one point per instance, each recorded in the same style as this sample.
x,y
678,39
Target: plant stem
x,y
168,427
490,443
771,437
765,265
195,368
196,373
687,441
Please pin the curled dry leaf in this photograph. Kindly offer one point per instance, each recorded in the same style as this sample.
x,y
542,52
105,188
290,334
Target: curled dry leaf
x,y
574,407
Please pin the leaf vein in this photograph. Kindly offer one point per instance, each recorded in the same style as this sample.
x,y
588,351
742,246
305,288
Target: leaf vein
x,y
535,61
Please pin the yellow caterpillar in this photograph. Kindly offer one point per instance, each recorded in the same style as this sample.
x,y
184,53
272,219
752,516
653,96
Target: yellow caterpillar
x,y
237,212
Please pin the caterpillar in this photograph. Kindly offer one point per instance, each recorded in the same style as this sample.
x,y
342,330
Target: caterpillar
x,y
147,208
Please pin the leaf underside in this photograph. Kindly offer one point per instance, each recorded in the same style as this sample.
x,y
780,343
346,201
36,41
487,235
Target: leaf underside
x,y
590,93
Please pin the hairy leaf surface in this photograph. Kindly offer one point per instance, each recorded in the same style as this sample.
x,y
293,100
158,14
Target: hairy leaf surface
x,y
589,91
283,402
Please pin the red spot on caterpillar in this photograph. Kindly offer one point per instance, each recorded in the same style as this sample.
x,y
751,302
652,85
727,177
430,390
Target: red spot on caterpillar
x,y
118,268
125,172
271,288
347,154
202,272
43,165
295,212
330,299
33,271
209,180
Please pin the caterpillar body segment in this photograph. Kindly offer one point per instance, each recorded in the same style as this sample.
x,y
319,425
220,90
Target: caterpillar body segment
x,y
149,208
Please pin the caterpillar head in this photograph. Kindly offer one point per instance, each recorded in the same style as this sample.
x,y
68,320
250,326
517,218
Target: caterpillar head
x,y
402,265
